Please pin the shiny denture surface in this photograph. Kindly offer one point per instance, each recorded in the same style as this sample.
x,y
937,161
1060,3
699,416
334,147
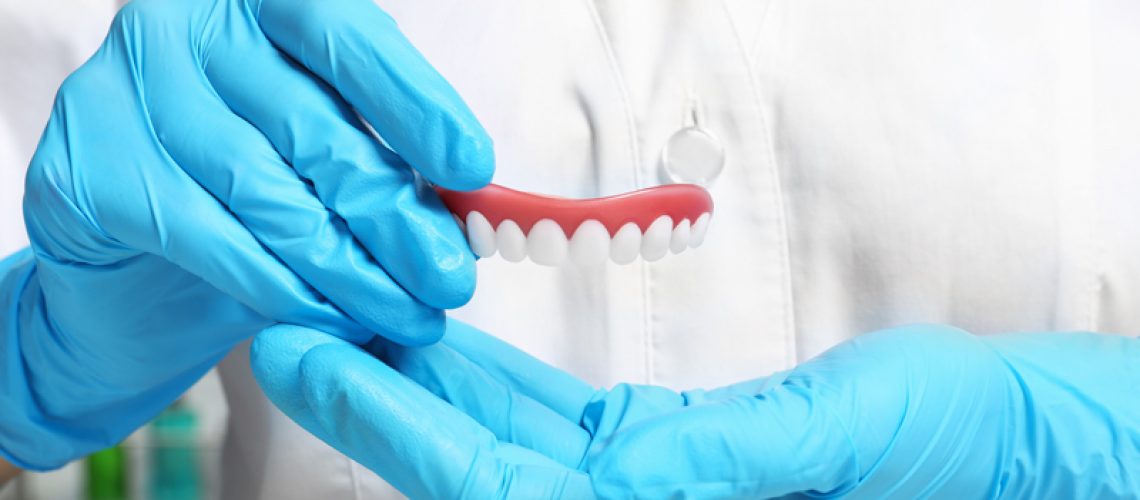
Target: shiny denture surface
x,y
549,229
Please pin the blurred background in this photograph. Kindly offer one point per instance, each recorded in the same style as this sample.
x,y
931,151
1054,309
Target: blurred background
x,y
177,456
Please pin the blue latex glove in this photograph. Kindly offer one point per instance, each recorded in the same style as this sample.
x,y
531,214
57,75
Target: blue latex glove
x,y
205,170
912,412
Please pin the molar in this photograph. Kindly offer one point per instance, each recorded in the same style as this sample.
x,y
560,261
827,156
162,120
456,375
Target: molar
x,y
698,231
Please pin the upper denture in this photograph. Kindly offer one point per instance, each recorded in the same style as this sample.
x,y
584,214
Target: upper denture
x,y
648,222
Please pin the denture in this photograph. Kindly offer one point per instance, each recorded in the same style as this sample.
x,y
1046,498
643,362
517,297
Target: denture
x,y
549,230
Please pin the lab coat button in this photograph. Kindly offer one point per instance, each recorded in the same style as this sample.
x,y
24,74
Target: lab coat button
x,y
693,155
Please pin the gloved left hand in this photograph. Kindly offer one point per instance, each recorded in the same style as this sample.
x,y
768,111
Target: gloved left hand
x,y
915,412
206,173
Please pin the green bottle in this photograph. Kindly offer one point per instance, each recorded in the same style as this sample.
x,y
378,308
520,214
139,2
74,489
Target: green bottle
x,y
107,474
174,455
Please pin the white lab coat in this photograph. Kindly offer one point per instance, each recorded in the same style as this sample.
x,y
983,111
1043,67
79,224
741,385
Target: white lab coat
x,y
890,161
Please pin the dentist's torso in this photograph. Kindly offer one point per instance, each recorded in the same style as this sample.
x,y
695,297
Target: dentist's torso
x,y
887,162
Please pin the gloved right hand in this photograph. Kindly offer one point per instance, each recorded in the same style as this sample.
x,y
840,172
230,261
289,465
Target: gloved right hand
x,y
206,172
923,411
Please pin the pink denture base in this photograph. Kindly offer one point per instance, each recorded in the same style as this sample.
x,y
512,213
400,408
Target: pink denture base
x,y
642,207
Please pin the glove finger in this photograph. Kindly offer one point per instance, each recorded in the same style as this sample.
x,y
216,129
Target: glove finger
x,y
512,416
359,51
420,444
746,388
234,162
275,356
407,230
560,391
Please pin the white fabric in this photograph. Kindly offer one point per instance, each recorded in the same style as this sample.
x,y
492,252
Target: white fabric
x,y
892,161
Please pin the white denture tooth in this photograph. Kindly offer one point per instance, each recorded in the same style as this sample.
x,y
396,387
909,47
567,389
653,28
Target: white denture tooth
x,y
697,235
655,241
590,244
546,243
626,244
680,239
511,241
480,235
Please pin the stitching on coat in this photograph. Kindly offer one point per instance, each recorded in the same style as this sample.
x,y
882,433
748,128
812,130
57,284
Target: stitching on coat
x,y
777,189
354,479
755,49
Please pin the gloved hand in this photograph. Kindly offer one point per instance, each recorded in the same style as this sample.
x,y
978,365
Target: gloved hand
x,y
914,412
206,170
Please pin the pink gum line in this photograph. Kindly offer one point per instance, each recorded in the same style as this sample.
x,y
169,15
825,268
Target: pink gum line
x,y
642,207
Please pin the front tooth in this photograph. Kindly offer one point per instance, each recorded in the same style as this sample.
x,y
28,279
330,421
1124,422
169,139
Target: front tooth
x,y
511,241
546,244
680,238
655,242
590,244
698,232
626,244
480,235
